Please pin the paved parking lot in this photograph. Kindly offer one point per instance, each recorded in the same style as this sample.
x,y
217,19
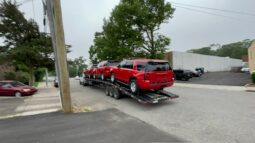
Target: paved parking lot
x,y
221,78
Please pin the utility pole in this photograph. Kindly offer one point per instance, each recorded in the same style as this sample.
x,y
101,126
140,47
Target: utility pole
x,y
54,13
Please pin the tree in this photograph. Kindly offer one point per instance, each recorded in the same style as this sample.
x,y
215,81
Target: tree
x,y
232,50
76,66
132,31
23,42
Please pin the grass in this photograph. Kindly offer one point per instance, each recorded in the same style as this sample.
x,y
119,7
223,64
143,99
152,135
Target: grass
x,y
36,84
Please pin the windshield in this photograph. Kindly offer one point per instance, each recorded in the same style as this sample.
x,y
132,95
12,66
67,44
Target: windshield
x,y
157,66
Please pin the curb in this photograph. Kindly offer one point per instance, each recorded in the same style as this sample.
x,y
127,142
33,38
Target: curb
x,y
28,113
215,87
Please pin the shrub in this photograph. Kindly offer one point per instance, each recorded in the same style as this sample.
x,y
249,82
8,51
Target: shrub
x,y
18,76
39,74
253,77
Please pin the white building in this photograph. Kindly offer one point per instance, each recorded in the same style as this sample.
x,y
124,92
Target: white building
x,y
183,60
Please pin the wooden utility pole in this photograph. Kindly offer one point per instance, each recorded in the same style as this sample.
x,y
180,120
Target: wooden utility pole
x,y
56,27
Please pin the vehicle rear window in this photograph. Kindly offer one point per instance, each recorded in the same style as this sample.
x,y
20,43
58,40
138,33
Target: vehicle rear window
x,y
157,66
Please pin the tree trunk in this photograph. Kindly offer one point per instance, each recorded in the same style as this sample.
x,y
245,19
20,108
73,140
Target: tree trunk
x,y
31,75
153,51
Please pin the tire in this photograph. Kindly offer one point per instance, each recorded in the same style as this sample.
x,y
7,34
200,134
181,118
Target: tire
x,y
111,91
107,91
133,86
102,76
116,93
17,94
94,76
112,77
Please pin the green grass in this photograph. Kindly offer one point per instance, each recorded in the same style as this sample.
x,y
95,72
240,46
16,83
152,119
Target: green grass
x,y
36,84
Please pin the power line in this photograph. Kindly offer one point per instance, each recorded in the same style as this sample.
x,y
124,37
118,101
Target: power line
x,y
216,9
205,12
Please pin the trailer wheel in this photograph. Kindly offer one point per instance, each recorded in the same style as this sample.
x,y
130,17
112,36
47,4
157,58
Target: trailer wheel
x,y
107,91
111,92
116,93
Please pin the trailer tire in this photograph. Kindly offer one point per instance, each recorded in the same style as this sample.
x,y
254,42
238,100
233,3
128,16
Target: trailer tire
x,y
111,92
116,93
107,91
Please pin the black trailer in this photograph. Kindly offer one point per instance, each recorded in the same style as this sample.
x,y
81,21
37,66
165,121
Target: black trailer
x,y
117,91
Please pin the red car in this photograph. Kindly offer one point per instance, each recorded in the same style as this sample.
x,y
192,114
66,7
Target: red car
x,y
89,72
143,74
15,88
103,69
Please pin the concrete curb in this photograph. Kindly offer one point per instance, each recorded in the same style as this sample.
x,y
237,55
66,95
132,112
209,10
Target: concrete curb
x,y
216,87
28,113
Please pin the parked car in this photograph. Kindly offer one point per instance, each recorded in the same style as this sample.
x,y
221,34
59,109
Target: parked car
x,y
143,74
181,74
16,88
90,71
196,73
200,69
245,69
103,69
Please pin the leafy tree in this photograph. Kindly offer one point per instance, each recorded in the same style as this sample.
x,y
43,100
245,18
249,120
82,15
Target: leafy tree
x,y
76,66
232,50
24,44
132,31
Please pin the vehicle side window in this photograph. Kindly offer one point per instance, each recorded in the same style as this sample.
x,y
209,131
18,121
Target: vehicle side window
x,y
7,85
122,64
129,65
141,66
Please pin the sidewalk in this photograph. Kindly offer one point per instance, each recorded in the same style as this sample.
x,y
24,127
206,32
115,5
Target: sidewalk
x,y
45,100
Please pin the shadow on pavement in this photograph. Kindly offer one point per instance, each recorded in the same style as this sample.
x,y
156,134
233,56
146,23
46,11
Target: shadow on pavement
x,y
108,126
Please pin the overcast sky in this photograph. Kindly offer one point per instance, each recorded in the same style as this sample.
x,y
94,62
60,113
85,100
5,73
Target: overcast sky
x,y
189,28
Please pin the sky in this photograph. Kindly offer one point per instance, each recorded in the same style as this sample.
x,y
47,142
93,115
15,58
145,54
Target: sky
x,y
189,28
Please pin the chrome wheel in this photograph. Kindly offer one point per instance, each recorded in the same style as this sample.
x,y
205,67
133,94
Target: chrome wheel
x,y
133,86
112,77
102,76
17,94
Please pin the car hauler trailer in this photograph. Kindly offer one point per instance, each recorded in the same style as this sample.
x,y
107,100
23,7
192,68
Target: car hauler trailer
x,y
117,90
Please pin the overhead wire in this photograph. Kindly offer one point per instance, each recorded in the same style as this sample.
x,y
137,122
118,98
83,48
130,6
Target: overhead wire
x,y
216,9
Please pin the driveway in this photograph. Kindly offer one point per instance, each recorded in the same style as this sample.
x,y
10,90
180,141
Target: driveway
x,y
221,78
199,115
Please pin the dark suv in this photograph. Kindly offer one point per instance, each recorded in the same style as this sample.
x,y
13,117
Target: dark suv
x,y
143,74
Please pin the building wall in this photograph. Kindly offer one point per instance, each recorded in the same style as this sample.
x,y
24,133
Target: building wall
x,y
251,55
183,60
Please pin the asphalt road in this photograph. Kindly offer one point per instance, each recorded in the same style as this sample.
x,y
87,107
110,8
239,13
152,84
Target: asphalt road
x,y
199,115
109,126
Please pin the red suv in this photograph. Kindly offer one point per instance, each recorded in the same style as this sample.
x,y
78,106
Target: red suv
x,y
143,74
89,72
103,69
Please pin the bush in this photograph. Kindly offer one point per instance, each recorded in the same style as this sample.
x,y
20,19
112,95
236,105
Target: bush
x,y
39,74
18,76
253,77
